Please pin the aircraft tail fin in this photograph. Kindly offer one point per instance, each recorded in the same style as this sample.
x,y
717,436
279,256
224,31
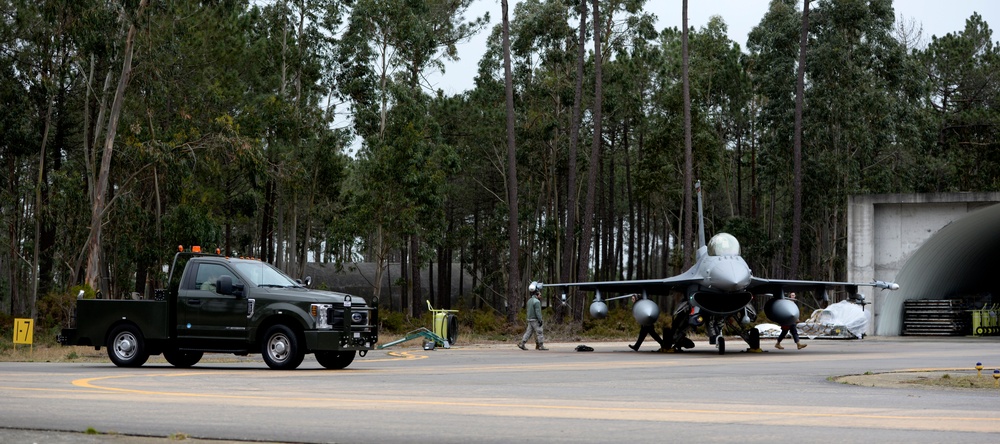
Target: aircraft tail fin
x,y
701,216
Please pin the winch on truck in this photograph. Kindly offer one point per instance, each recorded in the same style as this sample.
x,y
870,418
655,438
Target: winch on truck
x,y
219,304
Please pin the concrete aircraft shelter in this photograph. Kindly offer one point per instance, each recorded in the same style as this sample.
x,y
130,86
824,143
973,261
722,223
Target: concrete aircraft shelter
x,y
935,246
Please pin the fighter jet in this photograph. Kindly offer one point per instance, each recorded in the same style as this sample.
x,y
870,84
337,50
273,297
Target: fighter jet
x,y
718,291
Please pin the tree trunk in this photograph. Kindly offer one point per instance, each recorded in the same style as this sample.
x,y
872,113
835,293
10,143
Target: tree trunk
x,y
688,212
39,213
513,270
569,244
304,256
267,221
293,238
279,231
416,289
404,284
629,268
381,262
797,145
100,192
595,160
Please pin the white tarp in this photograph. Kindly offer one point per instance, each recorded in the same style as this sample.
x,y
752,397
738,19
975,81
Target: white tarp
x,y
769,330
841,320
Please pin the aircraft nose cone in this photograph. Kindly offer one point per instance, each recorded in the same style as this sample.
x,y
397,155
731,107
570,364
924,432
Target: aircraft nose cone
x,y
730,276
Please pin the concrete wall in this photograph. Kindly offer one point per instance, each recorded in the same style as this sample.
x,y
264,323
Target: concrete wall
x,y
886,232
358,278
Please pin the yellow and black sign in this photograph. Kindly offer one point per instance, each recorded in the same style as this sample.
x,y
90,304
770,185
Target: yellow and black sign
x,y
23,329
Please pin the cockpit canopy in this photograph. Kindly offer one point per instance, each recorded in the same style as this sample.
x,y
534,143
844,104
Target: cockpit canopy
x,y
723,244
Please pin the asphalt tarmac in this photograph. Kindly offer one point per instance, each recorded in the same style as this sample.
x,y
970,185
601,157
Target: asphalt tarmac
x,y
500,394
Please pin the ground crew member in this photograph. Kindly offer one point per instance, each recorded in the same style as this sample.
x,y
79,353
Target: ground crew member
x,y
534,315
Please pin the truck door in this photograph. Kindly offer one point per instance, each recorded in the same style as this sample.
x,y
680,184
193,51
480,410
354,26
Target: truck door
x,y
206,319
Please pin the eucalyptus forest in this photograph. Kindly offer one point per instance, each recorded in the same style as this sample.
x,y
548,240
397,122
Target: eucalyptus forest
x,y
300,131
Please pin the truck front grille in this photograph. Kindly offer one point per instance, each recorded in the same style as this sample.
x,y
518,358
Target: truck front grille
x,y
359,317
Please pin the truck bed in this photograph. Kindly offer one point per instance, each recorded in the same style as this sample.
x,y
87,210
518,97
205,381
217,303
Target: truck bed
x,y
102,314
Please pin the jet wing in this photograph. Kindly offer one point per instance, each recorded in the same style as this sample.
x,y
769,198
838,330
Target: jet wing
x,y
649,286
775,286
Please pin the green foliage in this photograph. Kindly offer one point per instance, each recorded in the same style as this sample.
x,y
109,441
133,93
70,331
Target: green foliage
x,y
55,309
393,322
482,322
233,134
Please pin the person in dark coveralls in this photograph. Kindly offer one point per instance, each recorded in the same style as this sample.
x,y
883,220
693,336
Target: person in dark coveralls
x,y
534,315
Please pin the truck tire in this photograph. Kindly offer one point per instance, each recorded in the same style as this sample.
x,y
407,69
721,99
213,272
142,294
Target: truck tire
x,y
182,359
335,360
127,347
281,349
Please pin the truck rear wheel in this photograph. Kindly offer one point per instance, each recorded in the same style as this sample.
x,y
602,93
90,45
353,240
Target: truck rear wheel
x,y
335,360
182,359
281,348
127,347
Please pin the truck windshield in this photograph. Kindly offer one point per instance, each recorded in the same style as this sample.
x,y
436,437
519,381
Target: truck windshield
x,y
262,274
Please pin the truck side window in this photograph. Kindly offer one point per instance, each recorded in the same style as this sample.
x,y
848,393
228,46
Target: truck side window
x,y
209,273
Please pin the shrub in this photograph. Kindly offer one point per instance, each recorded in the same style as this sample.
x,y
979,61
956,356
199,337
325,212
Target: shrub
x,y
392,322
481,322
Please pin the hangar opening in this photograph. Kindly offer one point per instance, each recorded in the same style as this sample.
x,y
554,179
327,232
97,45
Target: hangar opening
x,y
935,246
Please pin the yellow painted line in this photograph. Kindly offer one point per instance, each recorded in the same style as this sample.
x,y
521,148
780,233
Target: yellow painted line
x,y
399,356
91,383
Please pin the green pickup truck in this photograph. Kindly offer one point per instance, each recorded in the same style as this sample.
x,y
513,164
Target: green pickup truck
x,y
220,304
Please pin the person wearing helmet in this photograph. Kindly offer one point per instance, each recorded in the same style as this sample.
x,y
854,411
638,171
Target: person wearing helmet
x,y
534,316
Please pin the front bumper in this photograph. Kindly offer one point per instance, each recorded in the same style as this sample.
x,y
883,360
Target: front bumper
x,y
331,340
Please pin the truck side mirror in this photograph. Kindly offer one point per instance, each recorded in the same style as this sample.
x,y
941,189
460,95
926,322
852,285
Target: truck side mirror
x,y
224,285
305,283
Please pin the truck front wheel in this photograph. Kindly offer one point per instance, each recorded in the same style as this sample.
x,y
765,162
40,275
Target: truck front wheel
x,y
335,360
182,359
126,346
281,348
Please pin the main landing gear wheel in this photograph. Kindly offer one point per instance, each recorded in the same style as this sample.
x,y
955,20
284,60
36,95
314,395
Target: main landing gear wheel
x,y
721,343
754,338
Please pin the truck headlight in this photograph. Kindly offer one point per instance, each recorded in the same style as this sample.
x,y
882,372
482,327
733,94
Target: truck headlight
x,y
321,314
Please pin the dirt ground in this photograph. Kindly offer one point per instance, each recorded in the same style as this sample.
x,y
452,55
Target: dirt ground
x,y
957,379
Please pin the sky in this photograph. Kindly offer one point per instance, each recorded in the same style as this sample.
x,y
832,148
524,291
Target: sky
x,y
936,17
